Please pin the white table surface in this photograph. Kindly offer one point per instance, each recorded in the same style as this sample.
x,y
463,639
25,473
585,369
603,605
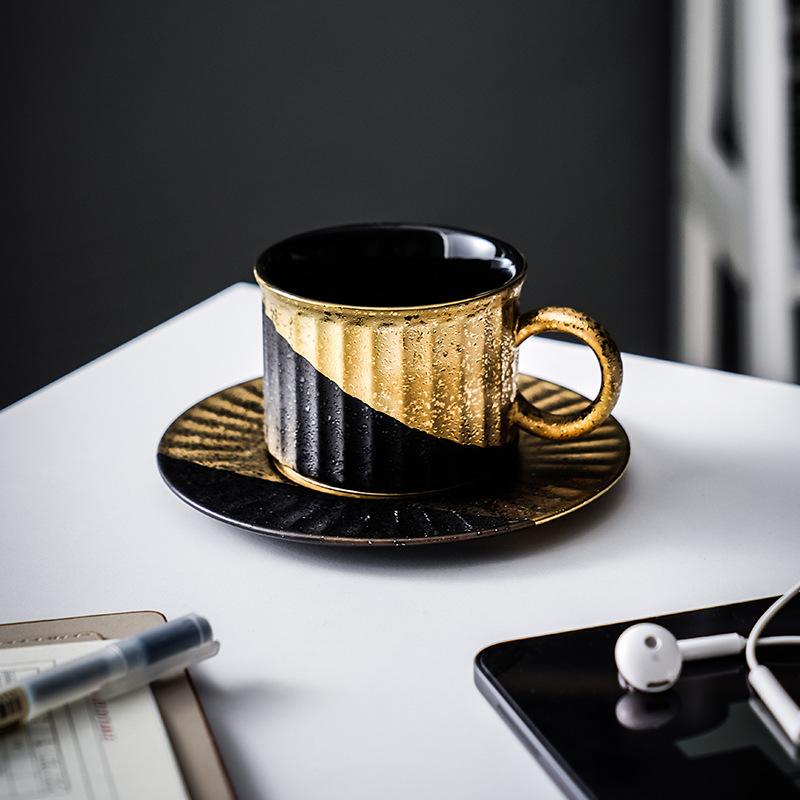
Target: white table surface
x,y
348,673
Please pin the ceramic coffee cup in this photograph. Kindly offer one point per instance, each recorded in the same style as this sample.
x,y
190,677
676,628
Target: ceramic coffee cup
x,y
390,358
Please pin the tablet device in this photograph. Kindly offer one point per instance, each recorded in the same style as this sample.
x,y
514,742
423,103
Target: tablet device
x,y
706,737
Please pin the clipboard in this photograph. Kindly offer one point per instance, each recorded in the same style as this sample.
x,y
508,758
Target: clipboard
x,y
189,734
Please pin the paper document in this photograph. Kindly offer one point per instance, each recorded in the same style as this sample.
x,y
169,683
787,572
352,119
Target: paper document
x,y
94,749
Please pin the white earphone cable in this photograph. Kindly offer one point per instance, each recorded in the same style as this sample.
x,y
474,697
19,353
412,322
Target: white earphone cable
x,y
769,640
763,621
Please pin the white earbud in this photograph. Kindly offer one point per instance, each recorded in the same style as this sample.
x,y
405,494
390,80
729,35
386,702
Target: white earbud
x,y
649,658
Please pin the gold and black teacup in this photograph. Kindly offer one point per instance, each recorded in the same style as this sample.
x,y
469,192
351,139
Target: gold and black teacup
x,y
390,358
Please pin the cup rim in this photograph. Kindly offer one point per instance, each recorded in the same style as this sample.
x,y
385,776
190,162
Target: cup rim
x,y
508,250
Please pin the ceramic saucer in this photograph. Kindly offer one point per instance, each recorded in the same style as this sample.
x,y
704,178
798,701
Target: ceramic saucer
x,y
214,458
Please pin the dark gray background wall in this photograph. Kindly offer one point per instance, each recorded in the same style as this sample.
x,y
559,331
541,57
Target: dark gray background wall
x,y
151,150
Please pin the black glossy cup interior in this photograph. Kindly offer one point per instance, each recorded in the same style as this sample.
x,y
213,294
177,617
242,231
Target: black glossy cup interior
x,y
390,265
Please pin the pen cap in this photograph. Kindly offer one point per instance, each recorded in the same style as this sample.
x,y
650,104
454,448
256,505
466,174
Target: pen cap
x,y
167,640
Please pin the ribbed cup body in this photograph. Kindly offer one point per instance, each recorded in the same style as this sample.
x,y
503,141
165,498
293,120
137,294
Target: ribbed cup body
x,y
389,400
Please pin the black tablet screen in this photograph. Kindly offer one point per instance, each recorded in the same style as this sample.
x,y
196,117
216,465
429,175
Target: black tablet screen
x,y
704,738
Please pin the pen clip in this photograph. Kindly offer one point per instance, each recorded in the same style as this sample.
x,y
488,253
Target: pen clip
x,y
167,668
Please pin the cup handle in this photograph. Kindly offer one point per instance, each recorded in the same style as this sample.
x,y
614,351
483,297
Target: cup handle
x,y
576,323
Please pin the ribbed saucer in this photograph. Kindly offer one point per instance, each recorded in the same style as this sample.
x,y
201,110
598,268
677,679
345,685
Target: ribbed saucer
x,y
214,458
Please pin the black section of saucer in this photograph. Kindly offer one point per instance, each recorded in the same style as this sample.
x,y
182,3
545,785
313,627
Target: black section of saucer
x,y
341,441
293,512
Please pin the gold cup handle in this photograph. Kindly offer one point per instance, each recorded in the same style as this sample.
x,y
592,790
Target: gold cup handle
x,y
576,323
